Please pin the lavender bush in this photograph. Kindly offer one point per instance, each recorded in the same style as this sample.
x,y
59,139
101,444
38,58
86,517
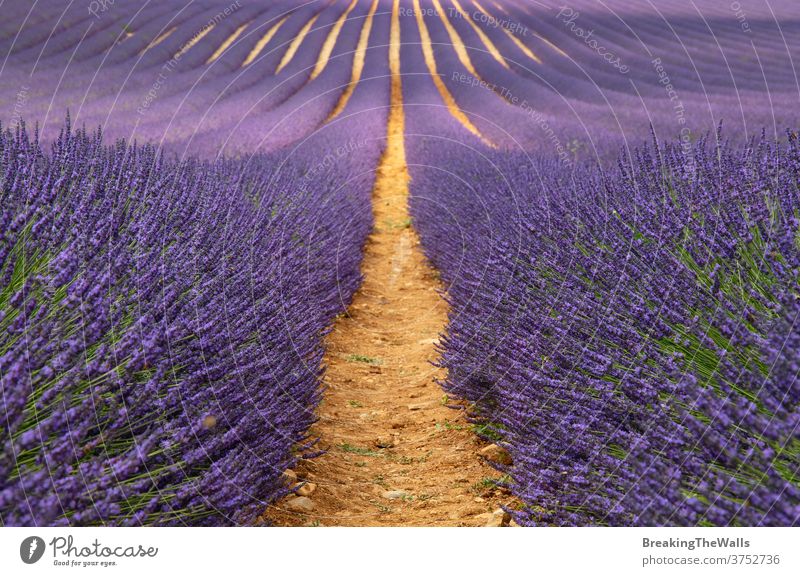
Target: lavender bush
x,y
160,326
629,334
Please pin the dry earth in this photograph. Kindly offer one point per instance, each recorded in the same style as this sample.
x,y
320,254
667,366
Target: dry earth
x,y
397,456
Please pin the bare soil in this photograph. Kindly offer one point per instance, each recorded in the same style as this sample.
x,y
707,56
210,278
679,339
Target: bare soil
x,y
396,455
382,419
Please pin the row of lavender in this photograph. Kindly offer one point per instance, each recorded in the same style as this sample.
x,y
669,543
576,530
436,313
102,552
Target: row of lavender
x,y
160,326
630,335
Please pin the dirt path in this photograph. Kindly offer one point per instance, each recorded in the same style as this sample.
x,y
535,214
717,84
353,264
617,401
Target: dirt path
x,y
396,455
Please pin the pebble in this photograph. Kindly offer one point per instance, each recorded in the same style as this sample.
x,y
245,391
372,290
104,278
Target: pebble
x,y
306,489
416,406
384,442
472,509
498,518
496,454
300,504
289,477
395,494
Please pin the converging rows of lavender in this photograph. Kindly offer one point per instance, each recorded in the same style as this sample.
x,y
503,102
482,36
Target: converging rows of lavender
x,y
609,190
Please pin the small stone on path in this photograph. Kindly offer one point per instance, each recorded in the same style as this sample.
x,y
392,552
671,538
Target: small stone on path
x,y
395,494
496,454
306,489
300,504
384,442
498,518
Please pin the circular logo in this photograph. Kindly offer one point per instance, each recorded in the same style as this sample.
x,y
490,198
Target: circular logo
x,y
31,550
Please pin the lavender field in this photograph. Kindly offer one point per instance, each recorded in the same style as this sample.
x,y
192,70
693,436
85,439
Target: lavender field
x,y
399,262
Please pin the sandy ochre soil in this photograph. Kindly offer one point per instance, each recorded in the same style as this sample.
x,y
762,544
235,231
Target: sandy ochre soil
x,y
396,456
